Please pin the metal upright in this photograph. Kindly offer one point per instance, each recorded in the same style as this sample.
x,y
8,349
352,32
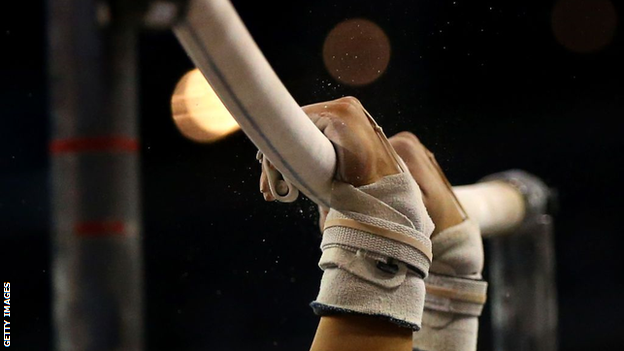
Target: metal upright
x,y
522,293
97,259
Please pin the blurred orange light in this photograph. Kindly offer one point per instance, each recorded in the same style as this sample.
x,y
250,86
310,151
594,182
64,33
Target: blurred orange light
x,y
356,52
198,112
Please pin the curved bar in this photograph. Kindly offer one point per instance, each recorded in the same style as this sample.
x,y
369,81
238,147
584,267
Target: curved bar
x,y
217,41
497,206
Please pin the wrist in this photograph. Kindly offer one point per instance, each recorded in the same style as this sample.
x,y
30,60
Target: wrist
x,y
456,293
443,331
376,251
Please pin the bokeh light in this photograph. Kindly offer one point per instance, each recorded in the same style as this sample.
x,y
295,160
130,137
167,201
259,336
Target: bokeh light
x,y
198,112
584,26
356,52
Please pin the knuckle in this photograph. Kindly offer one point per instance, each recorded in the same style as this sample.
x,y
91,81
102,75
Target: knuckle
x,y
406,141
408,146
350,100
346,103
401,143
404,148
409,136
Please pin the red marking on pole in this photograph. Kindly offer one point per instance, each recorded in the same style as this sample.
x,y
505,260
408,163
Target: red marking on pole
x,y
100,228
94,144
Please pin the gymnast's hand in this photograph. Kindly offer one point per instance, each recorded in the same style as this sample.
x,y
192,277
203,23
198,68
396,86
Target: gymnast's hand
x,y
437,196
362,158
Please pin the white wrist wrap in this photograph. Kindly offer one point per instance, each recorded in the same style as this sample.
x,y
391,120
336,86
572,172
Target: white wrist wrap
x,y
376,250
455,291
442,331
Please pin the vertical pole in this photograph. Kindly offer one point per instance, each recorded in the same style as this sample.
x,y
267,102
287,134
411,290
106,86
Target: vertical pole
x,y
97,261
522,292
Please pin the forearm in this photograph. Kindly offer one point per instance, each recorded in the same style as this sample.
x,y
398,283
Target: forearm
x,y
360,333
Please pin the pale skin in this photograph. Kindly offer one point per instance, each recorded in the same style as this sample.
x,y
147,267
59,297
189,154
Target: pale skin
x,y
362,159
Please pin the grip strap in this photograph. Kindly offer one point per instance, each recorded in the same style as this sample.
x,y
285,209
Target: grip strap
x,y
456,295
420,245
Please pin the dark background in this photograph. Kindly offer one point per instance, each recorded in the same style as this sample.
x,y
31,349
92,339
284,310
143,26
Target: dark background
x,y
227,271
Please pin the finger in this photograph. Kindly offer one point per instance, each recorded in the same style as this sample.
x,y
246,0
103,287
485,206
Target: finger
x,y
343,103
322,120
361,155
406,144
264,187
264,182
437,192
268,163
411,150
330,113
415,156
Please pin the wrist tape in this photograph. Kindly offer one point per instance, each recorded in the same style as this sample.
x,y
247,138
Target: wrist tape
x,y
376,251
454,283
443,331
455,297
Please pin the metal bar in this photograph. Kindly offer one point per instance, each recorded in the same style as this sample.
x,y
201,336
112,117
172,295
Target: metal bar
x,y
522,289
497,206
97,264
217,41
220,46
522,280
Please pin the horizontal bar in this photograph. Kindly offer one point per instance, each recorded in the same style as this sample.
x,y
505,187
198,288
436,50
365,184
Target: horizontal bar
x,y
217,41
221,47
